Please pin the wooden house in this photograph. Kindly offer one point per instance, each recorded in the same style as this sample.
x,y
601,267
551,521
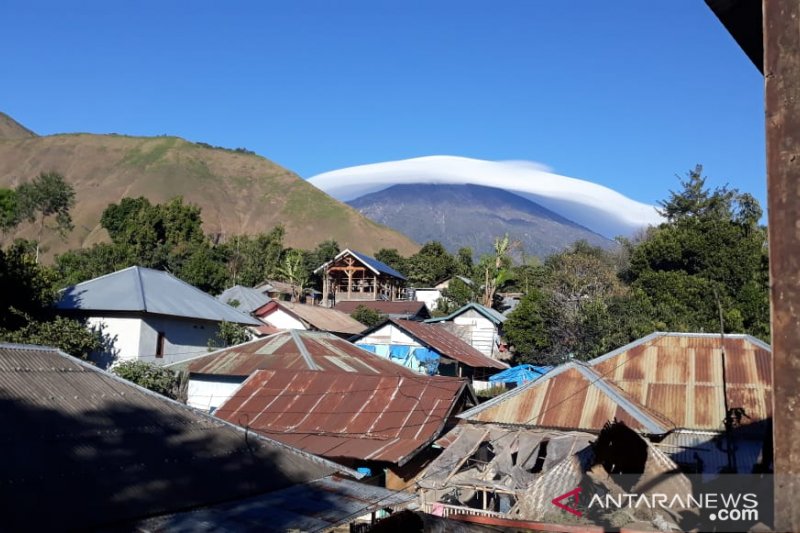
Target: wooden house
x,y
353,276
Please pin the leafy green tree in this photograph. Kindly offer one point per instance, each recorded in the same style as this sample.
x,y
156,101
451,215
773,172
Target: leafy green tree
x,y
230,334
495,269
527,331
431,264
70,336
464,263
458,293
710,254
391,257
27,288
9,213
47,196
152,377
368,317
253,259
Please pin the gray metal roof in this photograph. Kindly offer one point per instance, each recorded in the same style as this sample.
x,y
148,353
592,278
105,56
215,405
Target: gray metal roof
x,y
249,299
144,290
86,450
305,507
494,316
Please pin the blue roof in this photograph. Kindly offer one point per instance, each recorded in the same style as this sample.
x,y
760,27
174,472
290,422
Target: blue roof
x,y
520,374
143,290
376,265
494,316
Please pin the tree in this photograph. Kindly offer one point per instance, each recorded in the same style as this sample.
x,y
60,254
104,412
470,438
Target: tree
x,y
9,213
152,377
253,259
68,335
230,334
527,333
711,253
48,195
431,264
368,317
292,270
495,269
391,257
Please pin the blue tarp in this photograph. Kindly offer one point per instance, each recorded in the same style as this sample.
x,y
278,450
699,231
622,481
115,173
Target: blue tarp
x,y
520,374
399,352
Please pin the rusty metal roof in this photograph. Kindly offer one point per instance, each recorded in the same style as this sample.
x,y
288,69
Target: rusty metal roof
x,y
680,375
314,317
438,338
675,379
344,415
83,449
293,350
397,309
572,396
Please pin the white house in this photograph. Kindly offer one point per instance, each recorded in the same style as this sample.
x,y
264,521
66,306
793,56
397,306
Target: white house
x,y
288,315
149,315
432,295
480,326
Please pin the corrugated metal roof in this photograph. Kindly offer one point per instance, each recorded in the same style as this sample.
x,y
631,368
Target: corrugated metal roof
x,y
676,377
395,309
249,299
293,350
572,396
707,451
492,315
83,449
680,375
436,337
346,415
138,289
315,317
306,507
372,263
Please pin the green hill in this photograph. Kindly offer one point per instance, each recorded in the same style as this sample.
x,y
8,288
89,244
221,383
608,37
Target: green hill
x,y
238,191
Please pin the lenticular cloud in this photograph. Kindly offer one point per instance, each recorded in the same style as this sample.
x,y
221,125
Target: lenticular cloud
x,y
599,208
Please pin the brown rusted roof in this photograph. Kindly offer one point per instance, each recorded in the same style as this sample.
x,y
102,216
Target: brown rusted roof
x,y
401,309
680,375
86,450
437,337
350,416
314,317
572,396
674,378
293,350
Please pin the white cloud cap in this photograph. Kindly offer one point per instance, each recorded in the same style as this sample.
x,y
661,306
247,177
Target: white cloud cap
x,y
599,208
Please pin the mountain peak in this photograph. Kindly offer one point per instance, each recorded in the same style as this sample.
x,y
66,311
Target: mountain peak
x,y
11,129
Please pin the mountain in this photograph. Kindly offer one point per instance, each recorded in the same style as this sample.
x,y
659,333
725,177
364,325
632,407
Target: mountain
x,y
589,204
238,191
473,215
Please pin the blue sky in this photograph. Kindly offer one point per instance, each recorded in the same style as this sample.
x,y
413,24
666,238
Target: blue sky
x,y
624,93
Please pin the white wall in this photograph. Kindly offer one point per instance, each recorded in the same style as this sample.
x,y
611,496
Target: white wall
x,y
283,320
430,296
184,338
388,334
209,392
482,332
124,335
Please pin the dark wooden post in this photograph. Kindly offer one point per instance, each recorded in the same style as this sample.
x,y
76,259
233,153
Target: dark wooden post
x,y
782,87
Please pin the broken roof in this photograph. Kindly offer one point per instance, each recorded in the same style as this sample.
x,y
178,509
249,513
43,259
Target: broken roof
x,y
571,396
493,316
660,382
314,316
293,350
393,309
437,338
144,290
352,416
95,451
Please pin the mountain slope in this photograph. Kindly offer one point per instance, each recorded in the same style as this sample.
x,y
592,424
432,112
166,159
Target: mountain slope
x,y
472,215
238,192
11,129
